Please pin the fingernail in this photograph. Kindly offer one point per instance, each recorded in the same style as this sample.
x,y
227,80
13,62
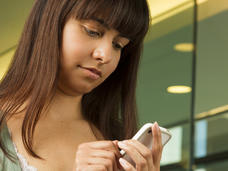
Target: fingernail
x,y
115,141
123,162
122,145
156,126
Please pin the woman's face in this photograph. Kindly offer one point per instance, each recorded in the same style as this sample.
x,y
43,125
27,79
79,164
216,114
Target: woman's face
x,y
90,53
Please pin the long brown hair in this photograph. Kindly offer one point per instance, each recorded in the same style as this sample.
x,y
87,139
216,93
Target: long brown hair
x,y
34,70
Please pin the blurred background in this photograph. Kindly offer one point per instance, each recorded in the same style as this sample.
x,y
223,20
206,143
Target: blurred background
x,y
182,80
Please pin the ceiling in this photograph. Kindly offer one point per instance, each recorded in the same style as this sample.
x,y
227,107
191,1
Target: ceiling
x,y
161,65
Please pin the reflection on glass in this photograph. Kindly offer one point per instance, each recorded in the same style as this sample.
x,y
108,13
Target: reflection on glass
x,y
162,66
200,169
175,155
173,149
211,136
201,138
213,166
212,60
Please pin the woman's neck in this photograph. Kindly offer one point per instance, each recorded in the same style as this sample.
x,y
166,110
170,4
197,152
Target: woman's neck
x,y
64,108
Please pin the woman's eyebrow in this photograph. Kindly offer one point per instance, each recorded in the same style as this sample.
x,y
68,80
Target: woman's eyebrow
x,y
124,36
105,25
101,22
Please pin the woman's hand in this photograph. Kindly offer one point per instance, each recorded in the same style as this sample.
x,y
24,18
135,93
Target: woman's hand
x,y
97,156
144,158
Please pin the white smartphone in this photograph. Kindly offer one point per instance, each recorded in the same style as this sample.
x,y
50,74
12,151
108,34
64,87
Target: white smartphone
x,y
144,135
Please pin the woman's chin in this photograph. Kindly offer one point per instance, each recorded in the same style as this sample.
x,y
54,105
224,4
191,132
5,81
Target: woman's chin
x,y
81,90
76,90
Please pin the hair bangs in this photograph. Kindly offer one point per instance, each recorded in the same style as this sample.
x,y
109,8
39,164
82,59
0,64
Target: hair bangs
x,y
128,17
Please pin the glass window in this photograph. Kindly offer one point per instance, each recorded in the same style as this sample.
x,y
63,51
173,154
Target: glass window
x,y
212,60
213,166
211,98
211,136
167,61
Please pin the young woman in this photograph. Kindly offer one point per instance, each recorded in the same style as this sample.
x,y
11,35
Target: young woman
x,y
68,101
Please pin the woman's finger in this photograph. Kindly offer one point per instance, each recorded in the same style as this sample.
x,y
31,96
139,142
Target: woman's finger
x,y
97,155
91,167
118,163
106,145
140,161
107,155
156,144
143,150
126,165
101,161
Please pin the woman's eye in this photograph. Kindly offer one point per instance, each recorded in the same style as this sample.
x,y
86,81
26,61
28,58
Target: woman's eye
x,y
117,46
92,33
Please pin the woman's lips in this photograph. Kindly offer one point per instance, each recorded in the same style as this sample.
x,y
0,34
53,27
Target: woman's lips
x,y
92,72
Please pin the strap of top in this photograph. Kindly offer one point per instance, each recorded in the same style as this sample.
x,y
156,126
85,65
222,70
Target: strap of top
x,y
5,163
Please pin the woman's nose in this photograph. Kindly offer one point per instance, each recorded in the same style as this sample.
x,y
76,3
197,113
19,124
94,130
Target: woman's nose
x,y
103,53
